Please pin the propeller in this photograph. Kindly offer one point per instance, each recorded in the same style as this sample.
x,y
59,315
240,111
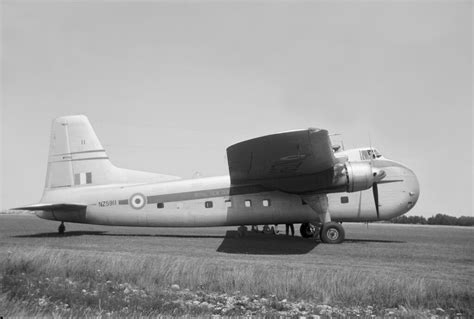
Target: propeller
x,y
378,175
375,191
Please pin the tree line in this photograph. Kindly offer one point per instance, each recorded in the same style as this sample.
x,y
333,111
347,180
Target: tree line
x,y
438,219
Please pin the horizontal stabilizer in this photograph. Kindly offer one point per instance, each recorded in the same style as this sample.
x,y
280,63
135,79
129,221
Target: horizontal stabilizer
x,y
51,207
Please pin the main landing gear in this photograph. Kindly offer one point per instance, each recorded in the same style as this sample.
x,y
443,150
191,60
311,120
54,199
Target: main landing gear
x,y
332,233
308,230
61,229
329,233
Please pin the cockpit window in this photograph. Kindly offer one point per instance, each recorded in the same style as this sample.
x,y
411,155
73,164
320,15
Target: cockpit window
x,y
369,153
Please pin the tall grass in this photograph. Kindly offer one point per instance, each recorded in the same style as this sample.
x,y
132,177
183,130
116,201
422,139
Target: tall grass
x,y
64,275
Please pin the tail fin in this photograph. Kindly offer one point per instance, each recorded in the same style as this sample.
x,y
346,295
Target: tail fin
x,y
77,158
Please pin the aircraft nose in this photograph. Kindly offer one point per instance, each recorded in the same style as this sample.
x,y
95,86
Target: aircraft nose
x,y
413,189
398,191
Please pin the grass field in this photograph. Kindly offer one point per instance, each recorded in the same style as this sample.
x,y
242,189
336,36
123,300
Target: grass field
x,y
93,270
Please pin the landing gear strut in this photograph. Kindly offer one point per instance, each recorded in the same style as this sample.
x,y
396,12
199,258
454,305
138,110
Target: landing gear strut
x,y
61,228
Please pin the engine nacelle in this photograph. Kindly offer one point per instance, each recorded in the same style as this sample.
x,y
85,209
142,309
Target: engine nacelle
x,y
357,176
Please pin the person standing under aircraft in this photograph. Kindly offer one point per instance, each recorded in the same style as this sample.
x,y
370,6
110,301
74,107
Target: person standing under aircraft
x,y
288,227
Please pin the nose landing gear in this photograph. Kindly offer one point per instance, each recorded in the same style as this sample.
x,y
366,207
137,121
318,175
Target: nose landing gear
x,y
61,229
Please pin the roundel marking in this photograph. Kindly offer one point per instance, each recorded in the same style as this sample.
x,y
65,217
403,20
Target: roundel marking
x,y
137,201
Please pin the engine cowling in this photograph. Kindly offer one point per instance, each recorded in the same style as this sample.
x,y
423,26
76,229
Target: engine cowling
x,y
358,176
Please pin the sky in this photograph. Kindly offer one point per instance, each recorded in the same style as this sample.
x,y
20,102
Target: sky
x,y
168,86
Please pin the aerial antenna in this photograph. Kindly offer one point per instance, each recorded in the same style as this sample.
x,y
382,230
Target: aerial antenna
x,y
370,146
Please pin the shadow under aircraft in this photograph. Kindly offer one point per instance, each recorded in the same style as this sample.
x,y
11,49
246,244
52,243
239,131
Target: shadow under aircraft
x,y
260,244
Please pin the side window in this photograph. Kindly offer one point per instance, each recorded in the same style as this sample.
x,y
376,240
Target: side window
x,y
364,155
344,199
208,204
160,205
228,203
88,178
248,203
266,202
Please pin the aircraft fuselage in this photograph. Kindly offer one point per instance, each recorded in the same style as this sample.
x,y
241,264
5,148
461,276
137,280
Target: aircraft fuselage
x,y
214,201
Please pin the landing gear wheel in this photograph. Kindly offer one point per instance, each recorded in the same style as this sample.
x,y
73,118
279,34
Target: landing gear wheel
x,y
332,233
61,229
308,230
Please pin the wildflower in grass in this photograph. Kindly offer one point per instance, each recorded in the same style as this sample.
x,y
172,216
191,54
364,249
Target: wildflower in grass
x,y
42,302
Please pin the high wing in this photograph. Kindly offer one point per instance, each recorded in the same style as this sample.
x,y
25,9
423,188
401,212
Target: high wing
x,y
296,161
51,207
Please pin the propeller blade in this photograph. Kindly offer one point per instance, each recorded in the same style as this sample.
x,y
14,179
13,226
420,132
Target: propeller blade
x,y
375,190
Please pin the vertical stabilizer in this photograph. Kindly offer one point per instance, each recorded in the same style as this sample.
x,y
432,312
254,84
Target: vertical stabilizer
x,y
77,158
75,155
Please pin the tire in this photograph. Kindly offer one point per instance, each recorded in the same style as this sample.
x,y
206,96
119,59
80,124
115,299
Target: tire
x,y
332,233
307,230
